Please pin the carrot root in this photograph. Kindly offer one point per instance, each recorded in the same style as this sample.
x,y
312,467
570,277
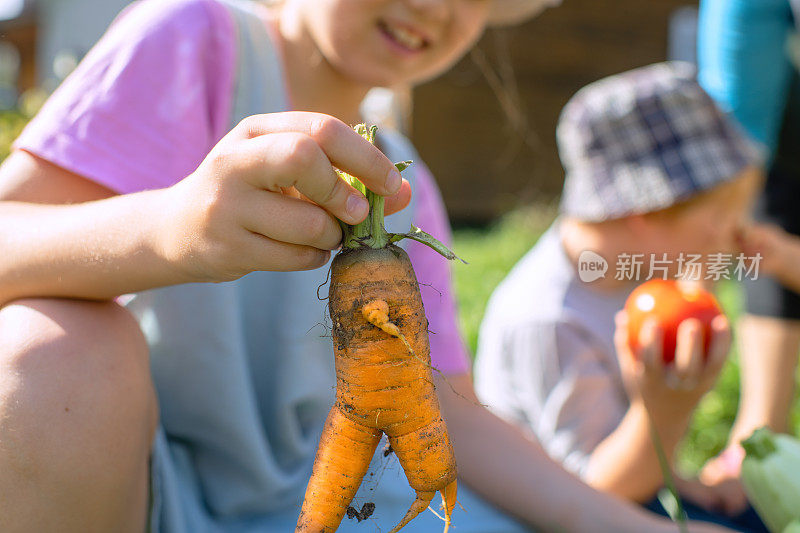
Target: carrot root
x,y
376,313
343,457
421,503
414,450
449,502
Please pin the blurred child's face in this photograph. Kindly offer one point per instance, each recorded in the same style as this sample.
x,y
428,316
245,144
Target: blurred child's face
x,y
393,42
710,223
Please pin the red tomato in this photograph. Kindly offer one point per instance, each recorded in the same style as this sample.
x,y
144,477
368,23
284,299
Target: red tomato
x,y
670,304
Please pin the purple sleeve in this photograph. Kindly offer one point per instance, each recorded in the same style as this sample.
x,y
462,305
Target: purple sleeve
x,y
448,352
147,103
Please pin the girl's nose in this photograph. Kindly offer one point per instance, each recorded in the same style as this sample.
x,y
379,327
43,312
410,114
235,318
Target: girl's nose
x,y
431,9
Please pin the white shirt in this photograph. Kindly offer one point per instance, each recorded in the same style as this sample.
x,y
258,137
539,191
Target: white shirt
x,y
546,358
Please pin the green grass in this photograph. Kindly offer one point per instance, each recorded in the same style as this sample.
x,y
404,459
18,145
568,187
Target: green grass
x,y
492,251
11,124
12,121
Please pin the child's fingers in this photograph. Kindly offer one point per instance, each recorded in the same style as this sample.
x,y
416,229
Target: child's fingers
x,y
272,162
343,147
394,203
651,339
398,201
268,254
621,332
293,192
287,219
720,343
698,494
631,367
689,352
624,352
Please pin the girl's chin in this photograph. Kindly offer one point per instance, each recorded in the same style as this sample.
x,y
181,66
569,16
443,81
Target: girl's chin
x,y
380,69
376,76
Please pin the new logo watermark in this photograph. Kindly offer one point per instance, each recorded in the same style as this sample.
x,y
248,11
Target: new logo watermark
x,y
642,267
591,266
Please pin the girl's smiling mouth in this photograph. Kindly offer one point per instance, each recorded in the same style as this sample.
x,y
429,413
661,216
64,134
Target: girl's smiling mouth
x,y
403,38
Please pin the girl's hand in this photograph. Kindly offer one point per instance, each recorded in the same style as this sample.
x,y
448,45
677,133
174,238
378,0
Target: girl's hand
x,y
266,197
670,392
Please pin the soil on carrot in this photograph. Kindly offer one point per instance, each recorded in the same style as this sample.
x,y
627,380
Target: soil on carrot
x,y
366,511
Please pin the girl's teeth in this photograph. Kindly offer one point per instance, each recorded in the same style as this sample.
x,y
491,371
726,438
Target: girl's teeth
x,y
406,38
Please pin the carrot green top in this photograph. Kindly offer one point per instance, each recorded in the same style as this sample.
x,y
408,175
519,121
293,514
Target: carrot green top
x,y
370,232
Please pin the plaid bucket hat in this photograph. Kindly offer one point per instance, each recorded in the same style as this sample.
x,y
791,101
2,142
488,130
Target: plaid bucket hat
x,y
644,140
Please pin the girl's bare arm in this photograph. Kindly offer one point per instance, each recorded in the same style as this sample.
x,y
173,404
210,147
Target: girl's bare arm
x,y
65,236
515,474
264,198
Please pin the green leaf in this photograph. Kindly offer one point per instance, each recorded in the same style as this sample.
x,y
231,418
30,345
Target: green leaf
x,y
402,165
760,444
427,239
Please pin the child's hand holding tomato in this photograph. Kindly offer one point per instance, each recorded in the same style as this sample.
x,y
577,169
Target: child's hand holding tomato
x,y
670,385
672,341
669,303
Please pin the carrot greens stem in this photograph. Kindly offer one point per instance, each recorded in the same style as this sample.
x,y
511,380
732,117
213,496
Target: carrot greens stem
x,y
370,232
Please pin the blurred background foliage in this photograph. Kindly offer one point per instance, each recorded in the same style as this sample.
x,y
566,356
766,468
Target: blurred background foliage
x,y
11,123
13,120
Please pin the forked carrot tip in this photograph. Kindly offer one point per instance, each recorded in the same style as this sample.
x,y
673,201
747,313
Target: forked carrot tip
x,y
449,498
419,504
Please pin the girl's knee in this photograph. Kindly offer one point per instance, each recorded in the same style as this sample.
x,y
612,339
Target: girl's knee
x,y
77,350
73,324
78,413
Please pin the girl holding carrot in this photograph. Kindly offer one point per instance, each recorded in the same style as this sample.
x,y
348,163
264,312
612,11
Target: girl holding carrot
x,y
196,145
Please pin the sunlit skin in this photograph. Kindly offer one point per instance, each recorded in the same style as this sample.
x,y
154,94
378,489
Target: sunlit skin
x,y
350,47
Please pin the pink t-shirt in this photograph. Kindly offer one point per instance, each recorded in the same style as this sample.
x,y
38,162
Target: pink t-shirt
x,y
152,98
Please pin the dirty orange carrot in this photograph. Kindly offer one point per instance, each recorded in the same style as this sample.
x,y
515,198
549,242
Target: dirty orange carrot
x,y
384,383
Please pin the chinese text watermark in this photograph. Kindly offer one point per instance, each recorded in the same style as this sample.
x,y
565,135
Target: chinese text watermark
x,y
694,267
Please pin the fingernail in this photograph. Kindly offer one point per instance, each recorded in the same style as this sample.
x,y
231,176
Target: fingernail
x,y
357,206
393,181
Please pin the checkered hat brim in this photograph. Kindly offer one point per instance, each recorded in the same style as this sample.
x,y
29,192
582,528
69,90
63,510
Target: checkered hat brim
x,y
644,140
